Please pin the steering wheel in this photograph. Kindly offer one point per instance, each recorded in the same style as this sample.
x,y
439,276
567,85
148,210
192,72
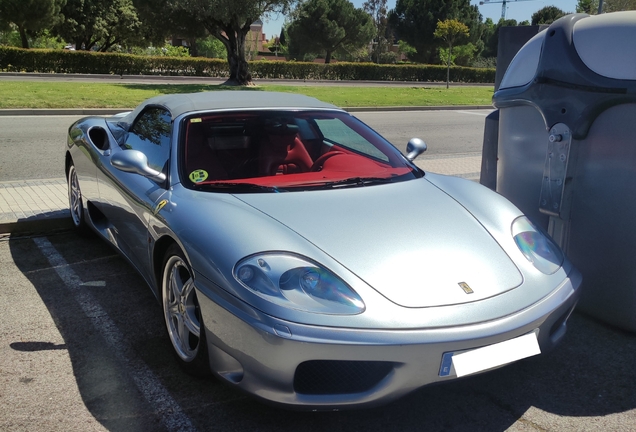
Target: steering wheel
x,y
317,166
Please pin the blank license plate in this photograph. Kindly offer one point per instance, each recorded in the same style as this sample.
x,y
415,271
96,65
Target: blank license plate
x,y
491,356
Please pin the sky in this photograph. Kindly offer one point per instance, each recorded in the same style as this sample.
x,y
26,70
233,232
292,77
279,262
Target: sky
x,y
519,10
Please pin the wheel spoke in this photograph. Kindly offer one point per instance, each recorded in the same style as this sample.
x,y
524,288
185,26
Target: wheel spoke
x,y
188,286
75,202
192,326
173,309
176,284
182,331
187,299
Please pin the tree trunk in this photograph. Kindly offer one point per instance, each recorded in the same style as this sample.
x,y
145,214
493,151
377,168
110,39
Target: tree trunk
x,y
108,44
234,42
450,53
23,37
89,44
194,50
328,57
235,45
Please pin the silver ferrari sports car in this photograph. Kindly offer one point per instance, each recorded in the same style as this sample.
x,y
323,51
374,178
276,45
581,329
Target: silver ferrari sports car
x,y
302,258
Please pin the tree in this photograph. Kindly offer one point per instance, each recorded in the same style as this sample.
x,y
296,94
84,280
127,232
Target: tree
x,y
462,55
451,31
211,47
406,49
100,24
618,5
162,19
30,16
229,21
327,25
490,35
415,22
547,15
282,39
589,7
378,11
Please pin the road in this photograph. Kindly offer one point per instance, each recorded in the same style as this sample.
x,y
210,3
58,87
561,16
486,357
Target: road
x,y
31,146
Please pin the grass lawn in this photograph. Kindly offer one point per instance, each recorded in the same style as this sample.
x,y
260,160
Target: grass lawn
x,y
30,94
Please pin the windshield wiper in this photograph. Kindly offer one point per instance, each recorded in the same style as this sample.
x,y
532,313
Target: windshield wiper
x,y
238,187
348,182
251,187
359,181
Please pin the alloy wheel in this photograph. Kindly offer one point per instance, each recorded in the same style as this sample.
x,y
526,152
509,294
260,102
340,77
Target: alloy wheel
x,y
181,309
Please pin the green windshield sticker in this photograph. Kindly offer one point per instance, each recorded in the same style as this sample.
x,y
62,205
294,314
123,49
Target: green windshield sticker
x,y
195,120
198,176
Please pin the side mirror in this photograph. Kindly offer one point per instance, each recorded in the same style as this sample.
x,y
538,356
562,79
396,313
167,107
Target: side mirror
x,y
414,148
134,161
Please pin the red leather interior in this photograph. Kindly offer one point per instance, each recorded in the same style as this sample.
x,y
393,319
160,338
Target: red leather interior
x,y
283,154
298,156
344,163
338,167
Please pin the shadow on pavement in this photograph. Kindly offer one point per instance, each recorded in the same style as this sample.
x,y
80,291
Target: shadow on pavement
x,y
590,375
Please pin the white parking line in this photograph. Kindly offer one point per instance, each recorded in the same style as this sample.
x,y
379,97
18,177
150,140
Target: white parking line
x,y
172,416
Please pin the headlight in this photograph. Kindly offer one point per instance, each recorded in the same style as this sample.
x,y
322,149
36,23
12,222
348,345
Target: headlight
x,y
537,247
297,283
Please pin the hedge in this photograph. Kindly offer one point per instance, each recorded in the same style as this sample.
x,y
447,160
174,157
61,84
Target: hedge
x,y
82,62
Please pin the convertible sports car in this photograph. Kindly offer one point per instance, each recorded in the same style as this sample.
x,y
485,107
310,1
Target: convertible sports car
x,y
302,258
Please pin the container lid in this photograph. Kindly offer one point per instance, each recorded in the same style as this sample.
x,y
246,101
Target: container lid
x,y
606,44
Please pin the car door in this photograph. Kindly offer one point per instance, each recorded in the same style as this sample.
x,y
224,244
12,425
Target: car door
x,y
128,199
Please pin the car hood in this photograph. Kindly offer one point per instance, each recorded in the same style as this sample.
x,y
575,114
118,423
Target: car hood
x,y
410,241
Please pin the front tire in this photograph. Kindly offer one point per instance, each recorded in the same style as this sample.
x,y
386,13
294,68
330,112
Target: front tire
x,y
75,203
182,314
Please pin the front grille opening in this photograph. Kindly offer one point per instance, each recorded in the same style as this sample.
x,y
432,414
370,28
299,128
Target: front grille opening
x,y
320,377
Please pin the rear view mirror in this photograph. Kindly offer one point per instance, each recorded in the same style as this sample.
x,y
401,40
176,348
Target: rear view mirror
x,y
134,161
414,148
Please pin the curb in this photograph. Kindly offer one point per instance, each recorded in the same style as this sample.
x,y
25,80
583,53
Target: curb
x,y
37,225
61,111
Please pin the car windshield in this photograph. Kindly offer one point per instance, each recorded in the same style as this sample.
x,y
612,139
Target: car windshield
x,y
274,151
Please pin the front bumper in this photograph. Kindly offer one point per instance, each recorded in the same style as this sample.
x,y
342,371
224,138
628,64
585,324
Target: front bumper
x,y
321,368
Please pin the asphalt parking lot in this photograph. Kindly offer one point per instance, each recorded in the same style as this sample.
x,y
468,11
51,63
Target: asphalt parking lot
x,y
82,347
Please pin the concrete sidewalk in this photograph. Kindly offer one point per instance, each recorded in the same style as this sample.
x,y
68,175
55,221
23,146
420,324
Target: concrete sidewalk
x,y
29,206
32,206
